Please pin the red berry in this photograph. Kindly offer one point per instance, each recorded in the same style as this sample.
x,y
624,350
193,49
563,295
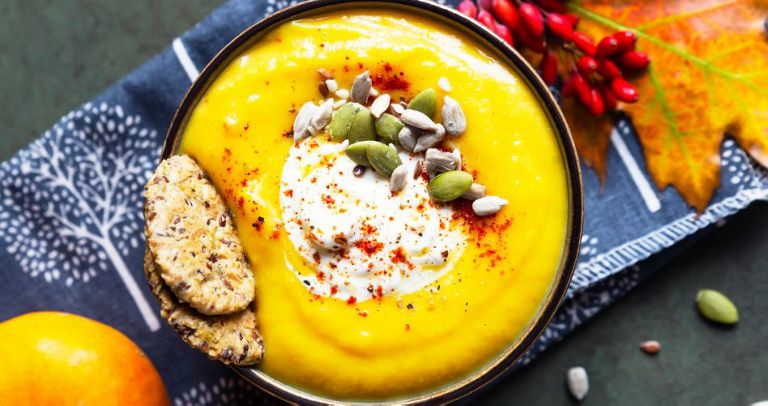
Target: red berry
x,y
635,60
573,19
584,43
569,87
609,99
607,46
487,20
503,32
586,65
553,6
507,13
468,8
596,106
560,27
624,91
583,91
528,40
532,19
608,69
626,41
549,67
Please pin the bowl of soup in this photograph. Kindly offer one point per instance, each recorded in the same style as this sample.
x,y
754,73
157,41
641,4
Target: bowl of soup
x,y
424,301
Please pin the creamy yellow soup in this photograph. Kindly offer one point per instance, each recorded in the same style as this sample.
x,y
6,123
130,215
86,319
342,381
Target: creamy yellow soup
x,y
399,344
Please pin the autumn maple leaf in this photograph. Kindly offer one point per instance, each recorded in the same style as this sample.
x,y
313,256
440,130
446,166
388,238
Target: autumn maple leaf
x,y
708,78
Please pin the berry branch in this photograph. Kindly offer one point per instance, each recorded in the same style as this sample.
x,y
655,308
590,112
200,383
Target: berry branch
x,y
596,74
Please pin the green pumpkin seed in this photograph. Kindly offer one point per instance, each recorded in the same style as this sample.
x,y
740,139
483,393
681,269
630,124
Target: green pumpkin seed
x,y
358,152
383,158
342,121
716,307
449,185
362,128
425,102
388,127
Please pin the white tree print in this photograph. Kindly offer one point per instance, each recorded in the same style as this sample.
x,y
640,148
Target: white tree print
x,y
71,202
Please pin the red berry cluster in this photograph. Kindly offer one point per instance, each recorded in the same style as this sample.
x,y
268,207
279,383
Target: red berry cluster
x,y
544,27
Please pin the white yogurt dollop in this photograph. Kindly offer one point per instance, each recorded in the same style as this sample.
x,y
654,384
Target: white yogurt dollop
x,y
362,240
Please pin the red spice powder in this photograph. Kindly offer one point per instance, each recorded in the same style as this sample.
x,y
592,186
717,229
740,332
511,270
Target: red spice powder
x,y
334,290
352,300
370,247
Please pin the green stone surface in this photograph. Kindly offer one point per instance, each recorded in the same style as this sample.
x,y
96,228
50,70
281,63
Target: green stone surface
x,y
54,55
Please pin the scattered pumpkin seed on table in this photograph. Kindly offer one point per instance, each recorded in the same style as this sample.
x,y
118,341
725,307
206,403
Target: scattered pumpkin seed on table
x,y
715,306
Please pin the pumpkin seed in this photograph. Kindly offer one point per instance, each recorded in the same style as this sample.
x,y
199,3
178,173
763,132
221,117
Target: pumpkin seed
x,y
407,137
388,128
302,121
474,192
383,158
322,115
425,102
485,206
361,88
437,162
453,117
449,185
363,127
358,152
417,119
716,307
380,105
578,382
342,120
398,179
430,139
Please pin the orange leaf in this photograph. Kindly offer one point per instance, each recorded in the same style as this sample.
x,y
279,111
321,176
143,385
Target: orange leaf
x,y
708,77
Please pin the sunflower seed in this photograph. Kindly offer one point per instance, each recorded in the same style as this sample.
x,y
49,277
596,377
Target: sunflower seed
x,y
578,382
342,93
332,85
418,169
425,102
374,92
449,185
444,84
398,179
430,139
453,117
407,137
485,206
457,154
437,162
397,108
302,121
383,158
476,191
322,115
361,88
380,105
418,119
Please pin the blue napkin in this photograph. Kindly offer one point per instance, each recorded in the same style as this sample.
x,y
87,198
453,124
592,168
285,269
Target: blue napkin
x,y
71,222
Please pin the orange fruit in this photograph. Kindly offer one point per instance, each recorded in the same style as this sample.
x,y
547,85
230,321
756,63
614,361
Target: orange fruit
x,y
52,358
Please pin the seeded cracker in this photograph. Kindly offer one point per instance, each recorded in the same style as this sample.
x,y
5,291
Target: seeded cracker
x,y
193,240
232,338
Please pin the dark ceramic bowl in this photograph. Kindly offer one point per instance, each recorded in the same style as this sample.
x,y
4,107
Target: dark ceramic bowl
x,y
472,29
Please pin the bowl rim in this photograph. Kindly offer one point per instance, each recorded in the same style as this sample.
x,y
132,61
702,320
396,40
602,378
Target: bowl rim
x,y
503,361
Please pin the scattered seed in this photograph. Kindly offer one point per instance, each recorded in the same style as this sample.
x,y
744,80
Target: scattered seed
x,y
342,120
358,152
449,185
339,103
488,205
407,137
363,127
332,85
425,102
302,121
374,92
430,139
418,120
397,108
388,128
418,169
453,117
358,170
342,93
324,74
323,89
437,162
716,307
361,88
444,84
476,191
650,347
457,154
578,382
398,179
322,116
380,105
383,158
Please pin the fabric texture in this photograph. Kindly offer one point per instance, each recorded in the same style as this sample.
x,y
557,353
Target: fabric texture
x,y
71,215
